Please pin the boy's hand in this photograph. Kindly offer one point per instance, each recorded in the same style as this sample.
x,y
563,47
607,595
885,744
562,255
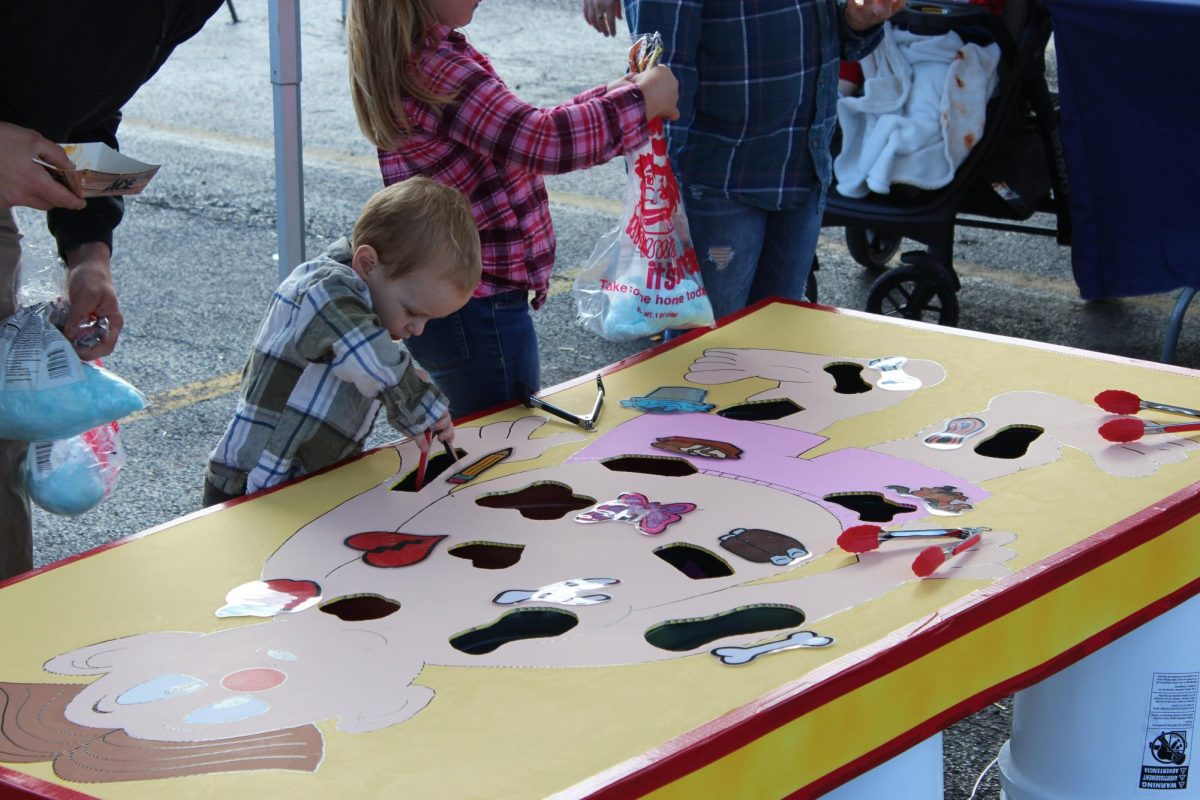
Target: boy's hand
x,y
661,91
443,429
863,14
26,183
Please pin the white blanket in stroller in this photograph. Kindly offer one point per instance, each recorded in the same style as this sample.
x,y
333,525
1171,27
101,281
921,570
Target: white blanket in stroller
x,y
922,110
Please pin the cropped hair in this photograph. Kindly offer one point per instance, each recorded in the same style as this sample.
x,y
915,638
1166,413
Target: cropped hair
x,y
383,40
418,220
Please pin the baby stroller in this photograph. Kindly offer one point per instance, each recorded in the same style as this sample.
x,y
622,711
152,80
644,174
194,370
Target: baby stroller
x,y
1015,170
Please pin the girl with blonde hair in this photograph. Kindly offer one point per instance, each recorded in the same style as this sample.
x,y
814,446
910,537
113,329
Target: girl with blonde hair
x,y
434,106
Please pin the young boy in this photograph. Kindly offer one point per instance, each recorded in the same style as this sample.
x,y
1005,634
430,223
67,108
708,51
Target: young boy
x,y
324,359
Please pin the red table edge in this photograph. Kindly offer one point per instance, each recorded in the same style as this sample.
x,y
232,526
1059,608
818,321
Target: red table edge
x,y
748,723
744,725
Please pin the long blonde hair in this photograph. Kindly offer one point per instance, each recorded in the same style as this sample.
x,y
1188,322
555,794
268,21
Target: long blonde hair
x,y
383,38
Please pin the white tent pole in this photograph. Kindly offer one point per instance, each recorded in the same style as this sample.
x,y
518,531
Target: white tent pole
x,y
289,168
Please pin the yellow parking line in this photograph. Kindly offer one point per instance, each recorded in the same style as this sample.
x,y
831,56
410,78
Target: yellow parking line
x,y
188,395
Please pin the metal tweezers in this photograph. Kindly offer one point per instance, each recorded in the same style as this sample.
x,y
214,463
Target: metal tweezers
x,y
588,422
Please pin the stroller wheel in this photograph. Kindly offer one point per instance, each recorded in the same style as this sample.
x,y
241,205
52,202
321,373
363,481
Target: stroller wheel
x,y
871,248
914,291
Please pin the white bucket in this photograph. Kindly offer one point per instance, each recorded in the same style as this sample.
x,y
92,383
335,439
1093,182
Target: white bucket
x,y
1118,724
915,774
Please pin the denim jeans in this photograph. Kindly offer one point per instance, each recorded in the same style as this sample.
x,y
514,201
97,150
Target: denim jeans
x,y
16,527
479,354
748,253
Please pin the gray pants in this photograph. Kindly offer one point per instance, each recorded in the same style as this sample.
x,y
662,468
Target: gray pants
x,y
16,528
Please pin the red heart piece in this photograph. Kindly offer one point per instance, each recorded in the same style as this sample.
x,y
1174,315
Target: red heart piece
x,y
392,549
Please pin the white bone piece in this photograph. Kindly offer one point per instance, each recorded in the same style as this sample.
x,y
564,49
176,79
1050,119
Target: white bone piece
x,y
892,375
735,656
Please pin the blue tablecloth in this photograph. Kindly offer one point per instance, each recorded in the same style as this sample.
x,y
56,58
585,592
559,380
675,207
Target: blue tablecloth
x,y
1127,72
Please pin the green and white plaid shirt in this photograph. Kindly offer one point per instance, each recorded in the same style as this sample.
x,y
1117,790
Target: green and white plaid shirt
x,y
321,366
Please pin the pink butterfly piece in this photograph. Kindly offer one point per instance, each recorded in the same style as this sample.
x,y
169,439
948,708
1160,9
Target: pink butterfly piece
x,y
651,517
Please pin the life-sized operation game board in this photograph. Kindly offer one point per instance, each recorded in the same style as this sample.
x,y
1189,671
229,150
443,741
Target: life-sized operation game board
x,y
791,547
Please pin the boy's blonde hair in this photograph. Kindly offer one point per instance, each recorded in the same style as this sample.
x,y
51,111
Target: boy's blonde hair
x,y
413,222
383,39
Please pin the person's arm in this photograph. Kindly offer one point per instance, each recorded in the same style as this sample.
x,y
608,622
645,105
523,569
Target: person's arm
x,y
338,328
489,119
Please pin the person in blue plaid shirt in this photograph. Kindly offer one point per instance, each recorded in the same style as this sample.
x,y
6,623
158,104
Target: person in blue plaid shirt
x,y
757,103
325,358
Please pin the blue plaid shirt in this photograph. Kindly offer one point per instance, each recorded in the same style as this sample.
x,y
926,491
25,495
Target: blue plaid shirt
x,y
757,91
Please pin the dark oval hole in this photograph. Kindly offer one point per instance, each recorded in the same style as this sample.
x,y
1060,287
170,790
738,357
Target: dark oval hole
x,y
526,623
870,506
761,410
360,607
435,466
679,635
489,555
1010,442
651,465
694,562
542,501
848,378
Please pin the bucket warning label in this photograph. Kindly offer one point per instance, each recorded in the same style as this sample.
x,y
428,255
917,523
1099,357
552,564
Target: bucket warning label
x,y
1170,724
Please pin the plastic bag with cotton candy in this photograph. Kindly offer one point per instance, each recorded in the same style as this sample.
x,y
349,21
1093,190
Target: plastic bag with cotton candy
x,y
643,277
46,392
71,476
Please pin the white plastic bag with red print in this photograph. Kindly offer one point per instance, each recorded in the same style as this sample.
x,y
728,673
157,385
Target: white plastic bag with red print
x,y
643,277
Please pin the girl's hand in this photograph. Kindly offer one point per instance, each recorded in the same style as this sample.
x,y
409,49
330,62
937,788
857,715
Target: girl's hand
x,y
863,14
661,91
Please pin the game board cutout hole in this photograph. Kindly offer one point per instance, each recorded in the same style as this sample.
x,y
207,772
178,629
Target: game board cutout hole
x,y
489,555
1010,442
651,465
761,410
870,506
544,500
688,634
848,378
360,607
524,623
694,562
436,465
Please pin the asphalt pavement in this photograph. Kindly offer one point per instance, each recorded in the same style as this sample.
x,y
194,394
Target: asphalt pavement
x,y
195,258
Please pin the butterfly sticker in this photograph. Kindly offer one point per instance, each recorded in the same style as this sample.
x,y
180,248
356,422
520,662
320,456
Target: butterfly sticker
x,y
650,517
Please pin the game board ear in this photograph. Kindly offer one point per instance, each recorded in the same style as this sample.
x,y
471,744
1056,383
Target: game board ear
x,y
403,702
930,373
96,659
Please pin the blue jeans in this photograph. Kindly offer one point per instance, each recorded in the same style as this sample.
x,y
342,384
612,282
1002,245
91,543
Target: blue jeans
x,y
478,355
16,526
748,253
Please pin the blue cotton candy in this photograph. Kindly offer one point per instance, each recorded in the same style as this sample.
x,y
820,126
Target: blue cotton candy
x,y
74,483
60,412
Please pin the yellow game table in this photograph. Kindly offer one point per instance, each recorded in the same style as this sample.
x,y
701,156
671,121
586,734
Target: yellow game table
x,y
708,592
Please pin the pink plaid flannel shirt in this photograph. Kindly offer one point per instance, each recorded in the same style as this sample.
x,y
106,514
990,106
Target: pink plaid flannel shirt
x,y
494,147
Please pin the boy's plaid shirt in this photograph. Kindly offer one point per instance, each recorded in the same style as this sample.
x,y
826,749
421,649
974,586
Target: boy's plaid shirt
x,y
321,365
494,147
